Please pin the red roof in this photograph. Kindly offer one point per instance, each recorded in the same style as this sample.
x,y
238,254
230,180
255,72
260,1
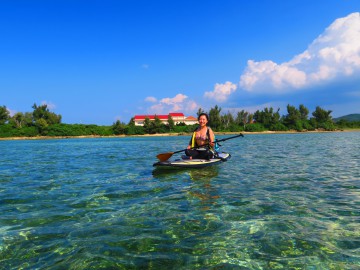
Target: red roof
x,y
176,114
151,117
191,118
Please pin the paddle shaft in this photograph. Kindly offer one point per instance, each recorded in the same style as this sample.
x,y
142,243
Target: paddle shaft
x,y
222,140
216,141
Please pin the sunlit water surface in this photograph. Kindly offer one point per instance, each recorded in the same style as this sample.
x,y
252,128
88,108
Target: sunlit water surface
x,y
288,201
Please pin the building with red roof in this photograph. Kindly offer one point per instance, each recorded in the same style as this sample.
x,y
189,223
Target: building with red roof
x,y
177,118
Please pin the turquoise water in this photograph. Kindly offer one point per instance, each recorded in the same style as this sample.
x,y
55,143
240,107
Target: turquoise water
x,y
284,201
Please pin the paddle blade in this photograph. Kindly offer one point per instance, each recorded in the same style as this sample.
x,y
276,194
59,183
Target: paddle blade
x,y
164,156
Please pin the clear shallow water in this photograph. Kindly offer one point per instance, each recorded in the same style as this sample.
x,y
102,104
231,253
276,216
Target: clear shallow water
x,y
287,201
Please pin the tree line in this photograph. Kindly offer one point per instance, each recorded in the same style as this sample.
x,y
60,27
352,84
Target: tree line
x,y
42,122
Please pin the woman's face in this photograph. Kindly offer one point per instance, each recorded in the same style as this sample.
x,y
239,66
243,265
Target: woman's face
x,y
202,120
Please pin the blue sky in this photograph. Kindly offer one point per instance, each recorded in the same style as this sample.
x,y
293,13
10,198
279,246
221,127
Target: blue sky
x,y
95,62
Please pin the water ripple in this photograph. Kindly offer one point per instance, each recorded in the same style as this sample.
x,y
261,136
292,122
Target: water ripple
x,y
288,201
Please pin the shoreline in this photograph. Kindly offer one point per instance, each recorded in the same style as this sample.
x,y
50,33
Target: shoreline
x,y
168,135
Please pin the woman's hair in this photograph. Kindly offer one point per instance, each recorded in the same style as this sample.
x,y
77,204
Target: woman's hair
x,y
201,114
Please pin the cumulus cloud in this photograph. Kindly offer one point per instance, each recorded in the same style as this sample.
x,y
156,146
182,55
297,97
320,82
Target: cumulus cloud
x,y
176,104
191,106
179,98
150,99
333,55
221,92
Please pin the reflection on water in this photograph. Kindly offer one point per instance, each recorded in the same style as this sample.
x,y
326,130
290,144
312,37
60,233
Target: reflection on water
x,y
194,173
281,202
200,187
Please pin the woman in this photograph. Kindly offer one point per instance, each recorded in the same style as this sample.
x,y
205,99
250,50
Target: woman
x,y
202,136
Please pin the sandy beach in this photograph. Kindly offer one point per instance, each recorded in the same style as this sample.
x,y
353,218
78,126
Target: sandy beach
x,y
169,134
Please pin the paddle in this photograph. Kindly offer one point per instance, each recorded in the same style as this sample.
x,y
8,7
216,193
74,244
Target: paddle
x,y
166,156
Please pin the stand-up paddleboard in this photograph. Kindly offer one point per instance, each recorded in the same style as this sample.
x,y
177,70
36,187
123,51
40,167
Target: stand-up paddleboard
x,y
185,162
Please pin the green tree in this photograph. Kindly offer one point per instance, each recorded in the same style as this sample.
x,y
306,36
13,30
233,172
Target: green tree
x,y
52,118
322,115
242,118
118,128
147,125
156,125
304,112
131,122
28,119
42,112
215,118
322,119
268,118
42,126
39,111
171,123
18,119
200,111
134,130
255,127
292,119
250,118
227,120
4,115
344,123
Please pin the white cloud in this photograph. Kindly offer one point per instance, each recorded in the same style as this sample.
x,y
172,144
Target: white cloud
x,y
221,92
267,73
11,112
177,99
150,99
191,106
335,54
179,103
